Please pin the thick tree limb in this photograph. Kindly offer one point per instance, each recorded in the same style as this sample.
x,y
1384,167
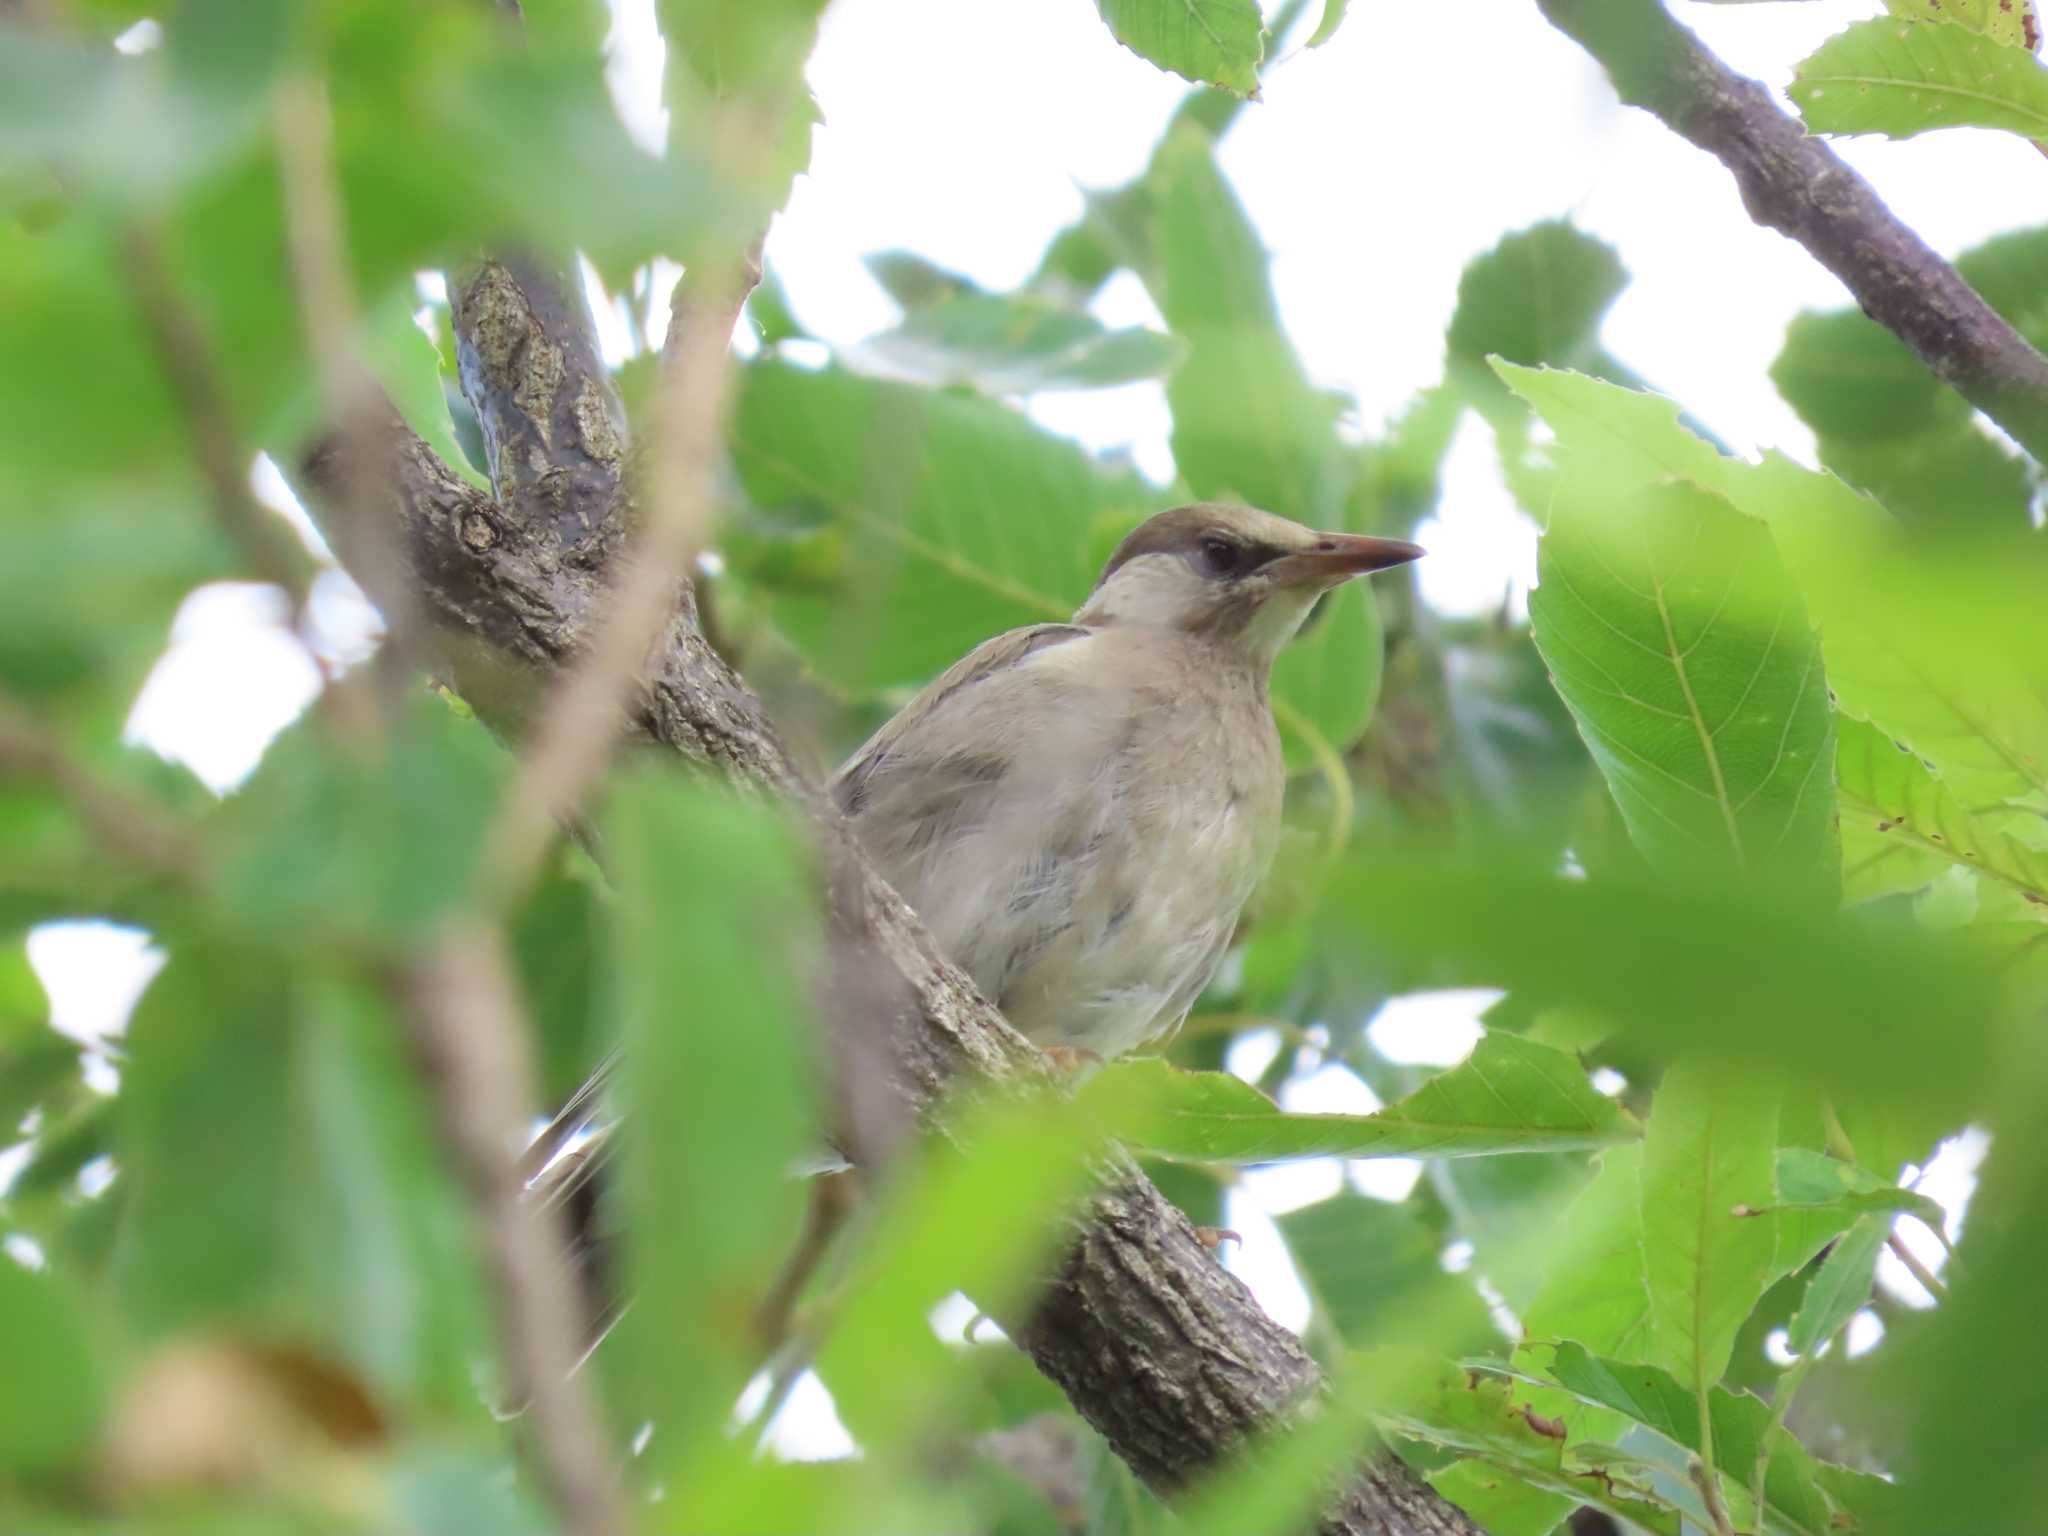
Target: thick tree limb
x,y
1800,187
1160,1348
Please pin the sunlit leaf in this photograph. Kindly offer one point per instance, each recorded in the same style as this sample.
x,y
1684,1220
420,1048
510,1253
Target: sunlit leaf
x,y
1212,42
1956,686
1900,78
2016,23
1682,648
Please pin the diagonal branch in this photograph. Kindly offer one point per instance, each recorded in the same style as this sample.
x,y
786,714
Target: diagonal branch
x,y
1161,1349
1797,185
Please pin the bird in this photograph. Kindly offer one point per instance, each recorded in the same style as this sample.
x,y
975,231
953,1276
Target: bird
x,y
1079,811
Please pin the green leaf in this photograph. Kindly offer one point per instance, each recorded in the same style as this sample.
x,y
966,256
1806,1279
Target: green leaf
x,y
51,1394
1710,1149
1889,428
2016,23
1743,1434
1888,790
1593,1289
337,844
716,935
1370,1265
1012,345
1508,1096
1248,426
1500,1503
1680,645
735,86
1211,42
979,1211
1954,684
1333,18
1840,1287
1539,296
941,519
282,1181
1480,1417
1899,78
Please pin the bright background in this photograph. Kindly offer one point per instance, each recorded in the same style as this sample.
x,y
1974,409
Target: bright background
x,y
1375,168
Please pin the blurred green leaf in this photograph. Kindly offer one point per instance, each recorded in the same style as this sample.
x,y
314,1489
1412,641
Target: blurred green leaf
x,y
915,283
1368,1262
1841,1286
1477,1415
736,91
1888,427
1810,1178
2007,271
1012,345
1680,644
51,1394
1710,1149
981,1212
716,935
1499,1502
1539,296
1211,42
1954,685
1975,1378
1114,1502
327,843
1901,78
962,518
1593,1289
1743,1434
1333,18
1886,788
1247,424
1509,1095
283,1182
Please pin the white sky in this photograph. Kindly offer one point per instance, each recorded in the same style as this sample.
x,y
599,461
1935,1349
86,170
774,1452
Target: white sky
x,y
1375,167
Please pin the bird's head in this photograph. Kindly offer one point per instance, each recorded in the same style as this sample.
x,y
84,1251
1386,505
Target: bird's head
x,y
1241,577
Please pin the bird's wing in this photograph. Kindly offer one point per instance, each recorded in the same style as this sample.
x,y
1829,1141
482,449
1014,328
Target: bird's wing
x,y
989,659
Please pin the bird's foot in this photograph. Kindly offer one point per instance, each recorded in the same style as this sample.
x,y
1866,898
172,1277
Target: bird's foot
x,y
1213,1238
1068,1060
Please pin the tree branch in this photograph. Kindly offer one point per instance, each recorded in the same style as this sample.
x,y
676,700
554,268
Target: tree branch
x,y
1797,185
1160,1348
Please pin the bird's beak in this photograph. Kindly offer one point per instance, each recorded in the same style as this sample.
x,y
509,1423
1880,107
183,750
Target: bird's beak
x,y
1337,557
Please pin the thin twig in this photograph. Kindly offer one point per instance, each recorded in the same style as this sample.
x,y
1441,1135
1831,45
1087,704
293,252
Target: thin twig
x,y
1930,1282
123,826
1797,185
466,1018
366,536
584,715
470,1033
192,366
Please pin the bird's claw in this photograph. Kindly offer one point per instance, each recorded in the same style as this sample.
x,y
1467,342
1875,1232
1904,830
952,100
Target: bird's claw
x,y
1068,1060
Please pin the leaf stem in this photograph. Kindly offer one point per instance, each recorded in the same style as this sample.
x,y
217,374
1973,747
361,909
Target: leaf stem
x,y
1929,1280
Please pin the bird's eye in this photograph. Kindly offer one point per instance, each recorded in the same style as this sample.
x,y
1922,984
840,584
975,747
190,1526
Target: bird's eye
x,y
1221,557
